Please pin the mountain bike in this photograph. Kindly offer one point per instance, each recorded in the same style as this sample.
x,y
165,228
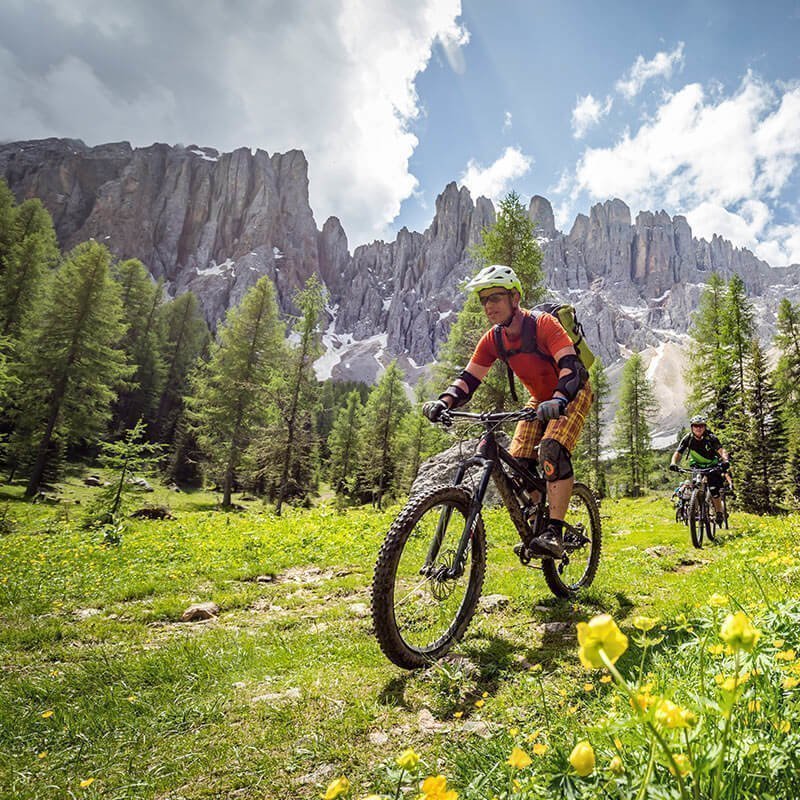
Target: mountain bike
x,y
430,569
702,515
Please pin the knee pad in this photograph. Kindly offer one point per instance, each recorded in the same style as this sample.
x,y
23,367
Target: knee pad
x,y
555,460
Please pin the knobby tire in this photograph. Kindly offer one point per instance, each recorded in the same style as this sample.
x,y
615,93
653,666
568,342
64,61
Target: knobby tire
x,y
390,590
696,517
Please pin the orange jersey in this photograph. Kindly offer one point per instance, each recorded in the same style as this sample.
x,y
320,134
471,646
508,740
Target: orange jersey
x,y
538,375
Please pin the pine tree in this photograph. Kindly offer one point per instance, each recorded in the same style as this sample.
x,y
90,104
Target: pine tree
x,y
31,256
70,360
763,455
186,337
510,241
143,344
230,404
710,370
631,424
385,408
8,213
587,454
787,383
344,444
417,439
297,398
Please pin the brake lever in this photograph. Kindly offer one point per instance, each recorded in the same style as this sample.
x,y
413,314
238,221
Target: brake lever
x,y
446,419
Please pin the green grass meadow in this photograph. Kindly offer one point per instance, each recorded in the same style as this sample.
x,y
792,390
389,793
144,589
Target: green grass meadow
x,y
104,693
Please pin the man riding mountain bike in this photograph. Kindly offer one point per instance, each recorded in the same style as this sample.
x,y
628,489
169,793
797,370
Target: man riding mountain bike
x,y
703,449
552,373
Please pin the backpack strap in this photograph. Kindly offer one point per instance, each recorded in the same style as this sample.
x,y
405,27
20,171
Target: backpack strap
x,y
527,345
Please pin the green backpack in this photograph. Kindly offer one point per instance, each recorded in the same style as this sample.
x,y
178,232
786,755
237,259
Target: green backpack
x,y
565,314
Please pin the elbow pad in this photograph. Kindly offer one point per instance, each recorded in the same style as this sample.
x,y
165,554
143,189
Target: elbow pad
x,y
570,384
457,393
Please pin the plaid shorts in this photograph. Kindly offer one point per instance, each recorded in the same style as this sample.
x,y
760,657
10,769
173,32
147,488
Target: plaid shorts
x,y
564,430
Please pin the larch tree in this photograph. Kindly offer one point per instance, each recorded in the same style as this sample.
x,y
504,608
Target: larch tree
x,y
344,445
230,401
637,404
70,360
141,300
761,466
709,373
386,406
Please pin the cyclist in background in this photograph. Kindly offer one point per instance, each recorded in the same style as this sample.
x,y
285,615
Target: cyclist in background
x,y
704,450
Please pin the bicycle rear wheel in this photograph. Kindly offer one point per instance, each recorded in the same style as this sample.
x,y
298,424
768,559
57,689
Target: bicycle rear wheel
x,y
418,610
696,518
711,520
582,545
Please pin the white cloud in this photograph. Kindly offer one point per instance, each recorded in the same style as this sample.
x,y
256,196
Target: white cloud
x,y
588,112
507,121
642,71
334,78
724,162
495,180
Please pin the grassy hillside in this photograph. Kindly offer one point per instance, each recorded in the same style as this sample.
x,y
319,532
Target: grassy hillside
x,y
105,693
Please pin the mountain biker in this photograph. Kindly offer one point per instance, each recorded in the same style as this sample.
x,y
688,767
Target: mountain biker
x,y
704,450
554,376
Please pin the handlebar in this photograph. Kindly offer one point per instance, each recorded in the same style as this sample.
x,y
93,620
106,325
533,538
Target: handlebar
x,y
488,417
701,470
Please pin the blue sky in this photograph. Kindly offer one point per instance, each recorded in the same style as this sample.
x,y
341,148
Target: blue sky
x,y
693,107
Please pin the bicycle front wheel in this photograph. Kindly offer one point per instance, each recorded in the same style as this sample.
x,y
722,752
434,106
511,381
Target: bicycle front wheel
x,y
711,520
422,602
582,544
696,518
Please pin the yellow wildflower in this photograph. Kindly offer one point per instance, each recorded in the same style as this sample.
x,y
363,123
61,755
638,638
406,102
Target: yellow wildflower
x,y
780,643
718,600
408,759
673,716
43,754
618,743
518,759
485,694
786,655
616,766
582,759
600,633
716,649
513,731
682,763
539,749
479,703
642,701
458,714
85,784
739,632
435,788
754,705
605,679
645,623
790,682
572,709
588,687
532,737
336,787
784,726
47,714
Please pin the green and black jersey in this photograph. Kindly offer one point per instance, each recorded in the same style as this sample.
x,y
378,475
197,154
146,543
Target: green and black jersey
x,y
702,451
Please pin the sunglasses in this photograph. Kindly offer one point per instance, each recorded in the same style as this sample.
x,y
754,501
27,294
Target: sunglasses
x,y
494,297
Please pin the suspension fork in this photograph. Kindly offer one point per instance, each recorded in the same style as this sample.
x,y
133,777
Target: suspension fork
x,y
459,560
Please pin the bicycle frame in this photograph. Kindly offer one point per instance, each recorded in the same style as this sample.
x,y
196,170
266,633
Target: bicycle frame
x,y
489,455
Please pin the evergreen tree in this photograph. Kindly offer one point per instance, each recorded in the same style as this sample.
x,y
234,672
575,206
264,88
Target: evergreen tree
x,y
587,453
385,408
631,424
32,254
417,439
344,444
186,337
787,383
230,403
510,241
70,361
710,370
143,344
761,466
8,213
297,400
738,329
